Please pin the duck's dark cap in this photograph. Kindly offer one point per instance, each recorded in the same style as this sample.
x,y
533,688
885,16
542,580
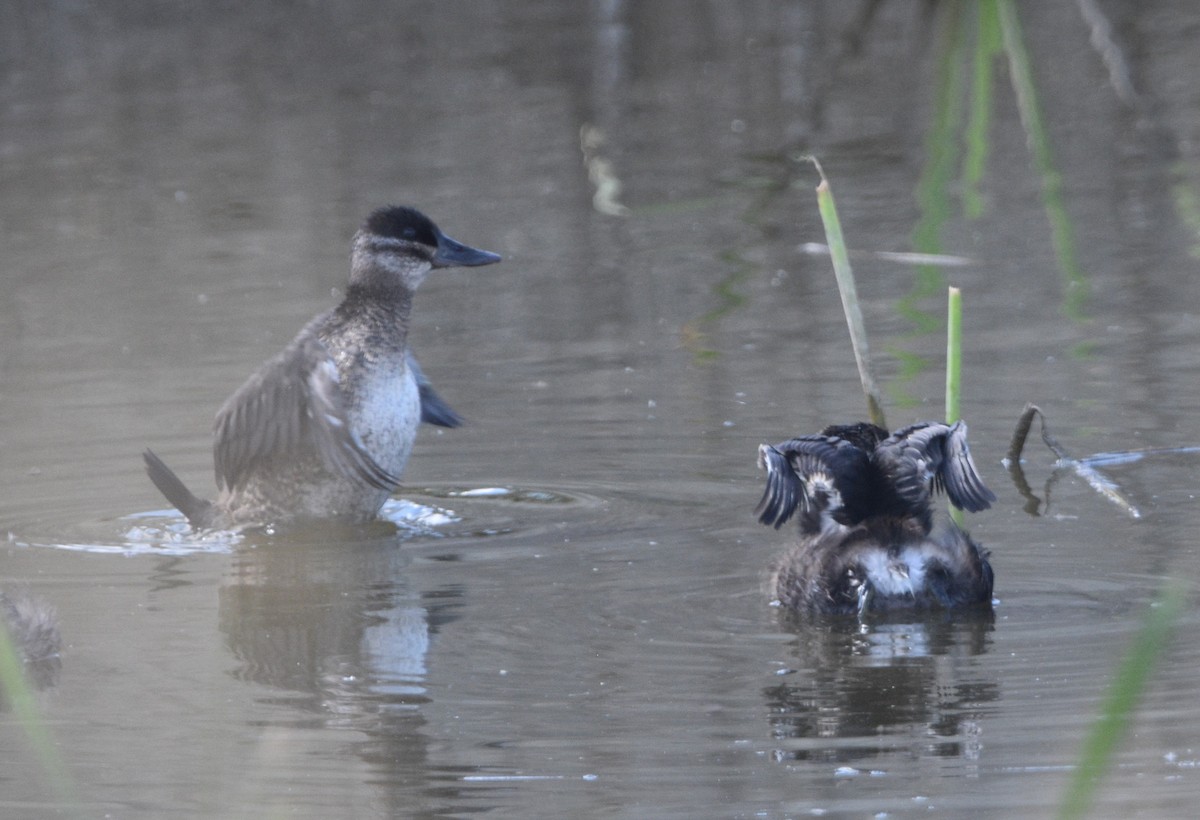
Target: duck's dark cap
x,y
402,222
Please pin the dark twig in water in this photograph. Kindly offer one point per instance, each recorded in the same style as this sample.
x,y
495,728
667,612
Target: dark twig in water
x,y
1083,467
1033,504
1022,432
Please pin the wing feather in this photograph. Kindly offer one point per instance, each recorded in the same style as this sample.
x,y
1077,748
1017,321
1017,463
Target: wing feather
x,y
434,409
804,474
293,404
930,457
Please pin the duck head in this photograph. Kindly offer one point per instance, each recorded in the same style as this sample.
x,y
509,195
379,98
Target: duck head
x,y
398,246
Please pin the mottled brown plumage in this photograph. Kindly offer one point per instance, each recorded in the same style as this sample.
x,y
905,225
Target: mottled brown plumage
x,y
323,430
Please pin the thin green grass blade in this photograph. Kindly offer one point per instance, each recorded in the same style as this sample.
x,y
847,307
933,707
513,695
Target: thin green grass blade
x,y
1123,695
849,294
953,355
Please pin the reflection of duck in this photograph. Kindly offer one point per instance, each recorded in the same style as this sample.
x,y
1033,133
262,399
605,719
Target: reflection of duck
x,y
323,430
866,525
826,707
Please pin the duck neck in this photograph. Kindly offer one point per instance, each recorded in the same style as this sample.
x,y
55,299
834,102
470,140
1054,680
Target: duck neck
x,y
386,308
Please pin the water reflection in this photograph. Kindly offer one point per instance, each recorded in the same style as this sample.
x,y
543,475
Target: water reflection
x,y
350,634
175,199
330,611
863,690
336,631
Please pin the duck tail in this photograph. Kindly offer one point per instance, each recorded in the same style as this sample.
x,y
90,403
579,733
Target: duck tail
x,y
197,510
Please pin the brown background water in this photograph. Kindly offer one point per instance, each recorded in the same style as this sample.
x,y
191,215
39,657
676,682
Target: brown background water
x,y
179,185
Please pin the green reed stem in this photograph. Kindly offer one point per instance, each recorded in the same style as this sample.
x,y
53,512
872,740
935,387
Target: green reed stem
x,y
953,355
954,369
849,294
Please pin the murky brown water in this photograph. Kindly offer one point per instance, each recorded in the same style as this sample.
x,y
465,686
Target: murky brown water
x,y
179,188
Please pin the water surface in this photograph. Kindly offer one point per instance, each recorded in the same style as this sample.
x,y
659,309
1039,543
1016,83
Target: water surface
x,y
565,615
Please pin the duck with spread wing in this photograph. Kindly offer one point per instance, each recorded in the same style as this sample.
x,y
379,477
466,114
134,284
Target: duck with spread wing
x,y
322,431
863,500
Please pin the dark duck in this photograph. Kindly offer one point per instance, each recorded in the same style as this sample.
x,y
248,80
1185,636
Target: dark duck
x,y
323,430
863,499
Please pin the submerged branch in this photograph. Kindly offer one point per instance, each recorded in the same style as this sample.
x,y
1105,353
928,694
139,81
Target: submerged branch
x,y
1084,468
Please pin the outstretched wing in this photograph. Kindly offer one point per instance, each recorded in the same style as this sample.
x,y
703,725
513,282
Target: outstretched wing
x,y
434,409
292,405
933,457
803,473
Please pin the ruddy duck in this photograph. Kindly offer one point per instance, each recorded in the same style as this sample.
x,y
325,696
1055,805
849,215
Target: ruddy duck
x,y
323,430
866,525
